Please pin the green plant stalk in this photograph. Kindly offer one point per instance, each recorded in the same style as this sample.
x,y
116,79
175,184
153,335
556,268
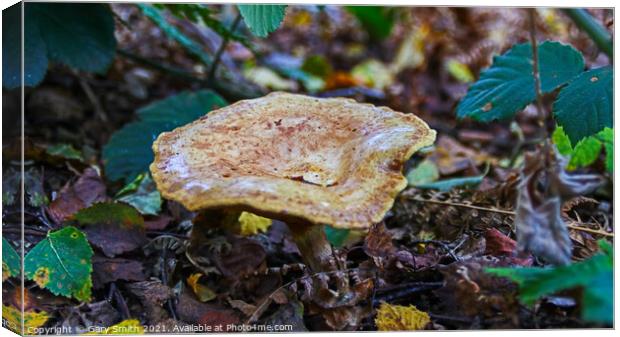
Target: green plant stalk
x,y
595,30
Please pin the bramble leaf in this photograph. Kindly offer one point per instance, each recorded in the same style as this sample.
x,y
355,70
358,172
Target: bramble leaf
x,y
128,152
508,85
78,35
587,150
62,263
585,106
11,261
262,19
594,276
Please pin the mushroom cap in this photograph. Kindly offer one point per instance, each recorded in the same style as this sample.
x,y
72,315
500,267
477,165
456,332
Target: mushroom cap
x,y
291,157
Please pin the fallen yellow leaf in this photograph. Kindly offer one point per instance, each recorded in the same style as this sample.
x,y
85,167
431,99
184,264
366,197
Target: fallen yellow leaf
x,y
398,317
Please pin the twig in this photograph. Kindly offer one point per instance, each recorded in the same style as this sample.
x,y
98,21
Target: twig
x,y
501,211
535,70
590,230
595,31
220,51
448,203
94,101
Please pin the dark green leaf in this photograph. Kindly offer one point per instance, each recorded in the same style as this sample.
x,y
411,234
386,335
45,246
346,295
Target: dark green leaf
x,y
594,276
79,35
585,106
508,85
336,236
262,19
376,20
62,263
11,261
115,228
35,56
129,153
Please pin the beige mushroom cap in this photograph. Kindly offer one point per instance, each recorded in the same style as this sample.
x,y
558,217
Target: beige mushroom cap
x,y
291,157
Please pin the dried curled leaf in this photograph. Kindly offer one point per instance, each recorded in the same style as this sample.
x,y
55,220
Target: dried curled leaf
x,y
544,184
398,318
292,157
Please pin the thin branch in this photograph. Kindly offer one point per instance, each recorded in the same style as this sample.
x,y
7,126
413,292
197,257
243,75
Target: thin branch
x,y
220,51
595,30
535,69
449,203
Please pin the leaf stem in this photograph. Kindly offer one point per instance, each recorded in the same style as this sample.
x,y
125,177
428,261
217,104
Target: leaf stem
x,y
539,105
595,30
220,51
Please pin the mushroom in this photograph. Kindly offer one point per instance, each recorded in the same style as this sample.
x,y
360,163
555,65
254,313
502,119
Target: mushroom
x,y
303,160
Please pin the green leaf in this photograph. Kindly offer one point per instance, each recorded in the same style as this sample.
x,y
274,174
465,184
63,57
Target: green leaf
x,y
336,236
585,153
585,106
11,261
142,194
35,56
587,150
62,263
200,13
425,172
607,137
594,276
562,142
129,153
378,21
115,228
508,85
460,71
174,33
66,151
262,19
78,35
448,184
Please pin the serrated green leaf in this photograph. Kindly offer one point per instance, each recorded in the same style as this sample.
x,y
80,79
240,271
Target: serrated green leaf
x,y
115,228
562,142
262,19
585,152
607,137
378,21
585,106
594,276
62,263
11,261
35,55
508,85
79,35
144,197
128,152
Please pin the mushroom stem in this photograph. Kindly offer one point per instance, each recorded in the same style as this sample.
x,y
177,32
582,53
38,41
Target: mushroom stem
x,y
315,249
